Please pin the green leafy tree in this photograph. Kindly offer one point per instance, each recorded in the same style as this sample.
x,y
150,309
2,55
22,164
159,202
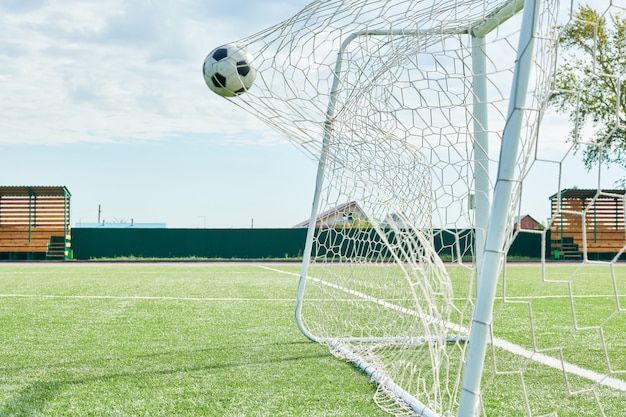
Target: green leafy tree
x,y
591,85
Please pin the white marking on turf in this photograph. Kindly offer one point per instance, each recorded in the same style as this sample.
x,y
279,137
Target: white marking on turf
x,y
546,360
142,297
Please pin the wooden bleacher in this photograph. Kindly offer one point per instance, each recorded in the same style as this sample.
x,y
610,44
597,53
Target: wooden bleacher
x,y
34,223
591,219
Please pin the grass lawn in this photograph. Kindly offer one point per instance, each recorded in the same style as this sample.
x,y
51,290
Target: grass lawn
x,y
164,340
211,339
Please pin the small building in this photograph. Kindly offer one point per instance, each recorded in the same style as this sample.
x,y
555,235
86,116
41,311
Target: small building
x,y
587,220
34,223
344,215
526,222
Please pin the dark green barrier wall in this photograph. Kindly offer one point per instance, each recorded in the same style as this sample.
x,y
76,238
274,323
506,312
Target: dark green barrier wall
x,y
94,243
88,243
528,245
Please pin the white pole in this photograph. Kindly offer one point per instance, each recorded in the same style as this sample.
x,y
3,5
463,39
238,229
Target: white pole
x,y
481,149
494,248
319,184
321,167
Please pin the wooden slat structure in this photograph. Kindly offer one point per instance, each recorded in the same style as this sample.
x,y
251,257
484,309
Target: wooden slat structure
x,y
34,222
587,219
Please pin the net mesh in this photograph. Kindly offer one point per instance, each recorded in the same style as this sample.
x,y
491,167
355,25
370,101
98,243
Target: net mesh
x,y
381,94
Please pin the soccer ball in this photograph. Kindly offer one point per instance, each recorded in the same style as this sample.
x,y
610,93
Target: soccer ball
x,y
229,70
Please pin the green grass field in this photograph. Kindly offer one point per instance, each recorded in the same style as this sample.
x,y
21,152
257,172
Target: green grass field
x,y
164,340
202,339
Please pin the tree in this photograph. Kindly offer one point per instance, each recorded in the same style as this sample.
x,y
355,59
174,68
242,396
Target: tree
x,y
591,85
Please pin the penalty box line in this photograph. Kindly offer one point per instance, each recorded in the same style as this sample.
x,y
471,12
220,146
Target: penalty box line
x,y
540,358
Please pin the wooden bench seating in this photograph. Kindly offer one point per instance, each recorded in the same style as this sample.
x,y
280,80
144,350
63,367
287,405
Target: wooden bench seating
x,y
599,213
21,239
600,243
34,220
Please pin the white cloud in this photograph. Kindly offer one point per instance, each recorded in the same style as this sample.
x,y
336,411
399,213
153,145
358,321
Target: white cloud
x,y
78,71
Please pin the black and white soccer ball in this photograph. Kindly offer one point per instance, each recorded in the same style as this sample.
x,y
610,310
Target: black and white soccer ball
x,y
229,70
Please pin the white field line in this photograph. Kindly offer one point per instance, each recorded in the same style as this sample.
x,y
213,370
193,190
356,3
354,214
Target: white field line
x,y
545,297
142,297
555,363
163,298
147,297
386,304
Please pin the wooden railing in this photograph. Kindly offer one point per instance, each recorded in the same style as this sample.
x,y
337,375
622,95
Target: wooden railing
x,y
597,225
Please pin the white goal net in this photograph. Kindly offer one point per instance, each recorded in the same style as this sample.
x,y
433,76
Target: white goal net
x,y
434,130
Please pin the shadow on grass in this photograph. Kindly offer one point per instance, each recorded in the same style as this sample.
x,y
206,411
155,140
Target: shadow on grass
x,y
65,364
32,399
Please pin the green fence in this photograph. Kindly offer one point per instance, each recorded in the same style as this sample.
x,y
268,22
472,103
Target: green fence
x,y
95,243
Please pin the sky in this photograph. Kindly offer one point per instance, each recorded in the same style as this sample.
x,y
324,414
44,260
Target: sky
x,y
107,98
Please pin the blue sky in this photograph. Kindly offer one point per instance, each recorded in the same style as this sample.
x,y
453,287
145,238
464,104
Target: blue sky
x,y
107,98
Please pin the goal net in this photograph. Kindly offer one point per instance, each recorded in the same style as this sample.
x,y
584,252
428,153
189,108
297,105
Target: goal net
x,y
430,123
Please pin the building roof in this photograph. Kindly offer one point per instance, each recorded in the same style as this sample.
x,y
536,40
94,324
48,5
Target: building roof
x,y
517,219
34,190
577,193
337,209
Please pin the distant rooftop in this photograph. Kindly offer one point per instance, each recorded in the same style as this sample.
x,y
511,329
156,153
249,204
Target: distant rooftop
x,y
105,225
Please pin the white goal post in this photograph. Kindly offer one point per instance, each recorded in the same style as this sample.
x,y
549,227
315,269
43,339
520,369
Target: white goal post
x,y
429,121
496,235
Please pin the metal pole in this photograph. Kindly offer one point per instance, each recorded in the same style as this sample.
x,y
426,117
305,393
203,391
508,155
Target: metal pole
x,y
481,149
496,234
